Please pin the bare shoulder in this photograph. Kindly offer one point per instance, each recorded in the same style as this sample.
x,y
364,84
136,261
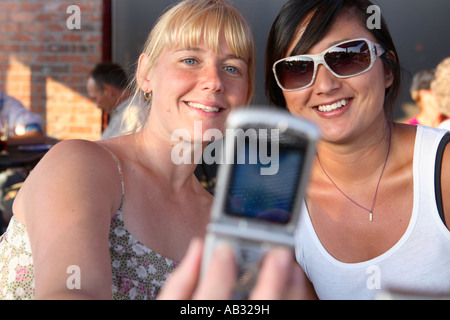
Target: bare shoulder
x,y
71,169
404,131
75,150
403,142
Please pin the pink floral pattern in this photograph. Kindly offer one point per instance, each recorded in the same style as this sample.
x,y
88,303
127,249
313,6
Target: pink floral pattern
x,y
138,272
16,264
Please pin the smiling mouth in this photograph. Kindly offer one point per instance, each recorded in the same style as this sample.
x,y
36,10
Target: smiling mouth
x,y
334,106
202,107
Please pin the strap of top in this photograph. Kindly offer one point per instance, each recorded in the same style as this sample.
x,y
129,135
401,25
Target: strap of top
x,y
437,177
120,174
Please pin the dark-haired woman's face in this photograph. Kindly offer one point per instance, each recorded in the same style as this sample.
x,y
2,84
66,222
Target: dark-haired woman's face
x,y
343,108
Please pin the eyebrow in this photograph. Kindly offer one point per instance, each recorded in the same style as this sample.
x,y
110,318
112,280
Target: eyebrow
x,y
197,49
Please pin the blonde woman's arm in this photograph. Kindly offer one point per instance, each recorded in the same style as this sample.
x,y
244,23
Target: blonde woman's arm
x,y
66,205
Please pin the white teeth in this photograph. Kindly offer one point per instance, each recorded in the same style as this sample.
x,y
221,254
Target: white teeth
x,y
334,106
202,107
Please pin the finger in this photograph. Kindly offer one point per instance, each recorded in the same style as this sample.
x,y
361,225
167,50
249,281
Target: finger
x,y
274,275
298,285
220,278
183,281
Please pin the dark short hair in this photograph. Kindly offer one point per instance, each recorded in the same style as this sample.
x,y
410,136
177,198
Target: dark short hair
x,y
421,81
109,73
321,15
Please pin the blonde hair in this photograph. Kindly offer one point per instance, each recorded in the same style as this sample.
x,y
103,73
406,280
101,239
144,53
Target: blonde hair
x,y
441,86
185,24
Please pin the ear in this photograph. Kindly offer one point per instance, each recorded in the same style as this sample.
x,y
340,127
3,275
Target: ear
x,y
388,75
107,90
143,73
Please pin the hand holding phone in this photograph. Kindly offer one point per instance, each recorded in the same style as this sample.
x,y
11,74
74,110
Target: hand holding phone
x,y
260,187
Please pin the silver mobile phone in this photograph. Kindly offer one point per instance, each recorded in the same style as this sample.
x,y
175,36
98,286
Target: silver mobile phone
x,y
260,186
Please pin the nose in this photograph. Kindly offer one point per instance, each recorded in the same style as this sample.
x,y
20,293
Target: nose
x,y
325,81
211,78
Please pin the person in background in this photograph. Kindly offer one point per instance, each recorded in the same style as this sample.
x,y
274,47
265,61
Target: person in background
x,y
107,86
441,89
376,214
24,128
429,112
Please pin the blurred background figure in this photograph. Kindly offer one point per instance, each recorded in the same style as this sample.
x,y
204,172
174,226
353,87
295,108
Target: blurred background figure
x,y
441,89
107,87
24,127
420,90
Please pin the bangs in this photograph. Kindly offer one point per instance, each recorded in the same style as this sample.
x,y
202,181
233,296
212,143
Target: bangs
x,y
189,29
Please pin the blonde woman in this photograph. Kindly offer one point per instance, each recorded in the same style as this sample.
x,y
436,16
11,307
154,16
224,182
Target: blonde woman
x,y
112,218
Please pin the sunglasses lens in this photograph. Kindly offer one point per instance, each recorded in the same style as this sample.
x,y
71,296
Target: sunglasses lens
x,y
349,58
294,74
345,60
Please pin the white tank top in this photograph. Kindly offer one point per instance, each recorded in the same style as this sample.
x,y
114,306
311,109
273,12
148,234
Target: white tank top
x,y
419,261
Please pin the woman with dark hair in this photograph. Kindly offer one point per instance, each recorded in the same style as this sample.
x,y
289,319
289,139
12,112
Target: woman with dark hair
x,y
374,218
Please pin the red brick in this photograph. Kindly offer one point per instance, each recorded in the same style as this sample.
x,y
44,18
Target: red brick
x,y
9,6
22,17
72,37
21,37
32,7
34,48
33,27
47,58
70,58
47,17
81,69
9,27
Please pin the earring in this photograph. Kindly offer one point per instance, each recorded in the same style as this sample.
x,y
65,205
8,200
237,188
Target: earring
x,y
148,95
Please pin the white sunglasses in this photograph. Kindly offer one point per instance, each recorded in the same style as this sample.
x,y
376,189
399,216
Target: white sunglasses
x,y
346,59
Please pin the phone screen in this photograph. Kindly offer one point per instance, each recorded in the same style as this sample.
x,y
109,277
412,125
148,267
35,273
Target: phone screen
x,y
265,197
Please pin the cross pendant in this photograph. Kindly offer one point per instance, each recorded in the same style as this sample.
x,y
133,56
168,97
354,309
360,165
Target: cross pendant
x,y
371,216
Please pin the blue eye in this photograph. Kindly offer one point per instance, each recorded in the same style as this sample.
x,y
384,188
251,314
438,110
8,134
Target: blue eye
x,y
189,61
231,69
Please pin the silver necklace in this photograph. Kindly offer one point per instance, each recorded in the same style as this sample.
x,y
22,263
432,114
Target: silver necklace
x,y
378,184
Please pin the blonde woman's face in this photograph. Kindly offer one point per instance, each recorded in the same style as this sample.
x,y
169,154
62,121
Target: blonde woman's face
x,y
197,84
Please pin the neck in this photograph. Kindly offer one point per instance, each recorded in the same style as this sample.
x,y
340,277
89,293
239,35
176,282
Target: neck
x,y
176,161
357,159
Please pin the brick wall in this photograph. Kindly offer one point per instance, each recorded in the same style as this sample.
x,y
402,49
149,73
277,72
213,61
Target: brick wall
x,y
44,60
